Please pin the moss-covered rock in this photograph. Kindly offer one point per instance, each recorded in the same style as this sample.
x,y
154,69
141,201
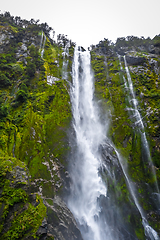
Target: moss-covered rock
x,y
19,215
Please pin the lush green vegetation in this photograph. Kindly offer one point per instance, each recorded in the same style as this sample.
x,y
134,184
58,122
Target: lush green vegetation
x,y
34,118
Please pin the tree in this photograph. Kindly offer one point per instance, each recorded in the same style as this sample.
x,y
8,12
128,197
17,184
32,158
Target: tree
x,y
22,96
4,81
30,69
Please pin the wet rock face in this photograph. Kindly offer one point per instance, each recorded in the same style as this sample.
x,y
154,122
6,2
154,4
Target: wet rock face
x,y
60,223
109,158
42,231
132,60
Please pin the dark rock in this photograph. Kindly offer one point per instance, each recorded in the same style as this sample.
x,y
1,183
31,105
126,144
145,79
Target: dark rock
x,y
151,49
32,199
41,231
108,153
124,50
110,160
153,63
121,51
135,60
43,228
60,222
80,48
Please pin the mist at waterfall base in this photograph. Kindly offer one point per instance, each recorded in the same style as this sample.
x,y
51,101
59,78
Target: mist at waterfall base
x,y
97,169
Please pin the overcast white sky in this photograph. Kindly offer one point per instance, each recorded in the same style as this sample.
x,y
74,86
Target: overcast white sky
x,y
87,22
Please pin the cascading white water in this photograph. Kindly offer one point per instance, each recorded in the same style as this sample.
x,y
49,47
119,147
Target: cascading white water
x,y
88,185
133,99
149,231
124,79
42,44
41,41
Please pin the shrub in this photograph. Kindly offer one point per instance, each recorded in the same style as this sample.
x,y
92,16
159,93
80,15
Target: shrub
x,y
31,69
4,81
21,96
3,111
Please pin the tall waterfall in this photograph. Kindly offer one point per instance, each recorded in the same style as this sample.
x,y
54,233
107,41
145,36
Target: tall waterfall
x,y
93,205
88,185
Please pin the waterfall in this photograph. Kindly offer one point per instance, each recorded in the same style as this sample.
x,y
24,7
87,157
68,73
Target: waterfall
x,y
87,183
124,79
149,231
65,61
42,44
41,41
139,123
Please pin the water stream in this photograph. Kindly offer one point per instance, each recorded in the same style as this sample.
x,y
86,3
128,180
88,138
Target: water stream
x,y
139,123
42,44
149,231
65,61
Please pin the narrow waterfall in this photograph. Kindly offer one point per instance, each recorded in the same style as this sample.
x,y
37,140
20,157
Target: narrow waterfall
x,y
148,230
65,61
41,41
124,79
139,123
42,44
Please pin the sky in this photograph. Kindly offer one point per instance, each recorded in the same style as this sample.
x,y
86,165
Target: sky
x,y
87,22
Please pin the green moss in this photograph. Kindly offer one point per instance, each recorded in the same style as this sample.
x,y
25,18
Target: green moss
x,y
53,60
10,196
8,163
139,234
29,220
49,201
